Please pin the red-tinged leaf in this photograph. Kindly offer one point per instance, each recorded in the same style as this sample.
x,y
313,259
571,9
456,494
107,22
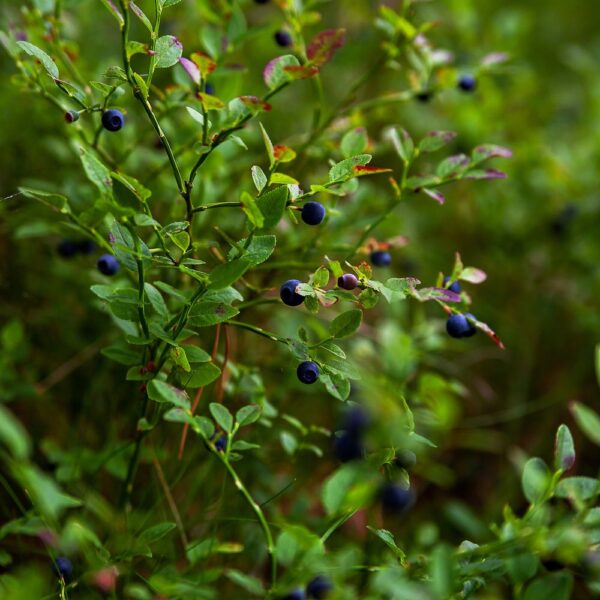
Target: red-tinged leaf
x,y
210,102
490,333
398,241
326,299
473,275
274,73
256,104
324,44
283,153
206,65
301,71
362,170
191,69
486,174
435,195
485,151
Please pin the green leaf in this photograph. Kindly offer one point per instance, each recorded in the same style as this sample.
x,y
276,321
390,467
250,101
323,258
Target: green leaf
x,y
387,537
268,144
442,571
272,205
226,274
564,449
289,442
156,299
403,144
210,312
200,375
96,172
435,140
251,210
248,414
578,488
354,142
113,11
522,567
556,586
179,357
160,391
155,533
251,584
55,201
274,74
535,479
14,435
168,51
260,249
48,64
259,178
346,323
587,420
139,13
222,416
344,169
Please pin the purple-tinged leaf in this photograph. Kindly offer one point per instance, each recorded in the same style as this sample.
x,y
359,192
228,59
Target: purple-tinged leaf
x,y
324,44
139,13
486,151
435,293
485,174
402,142
435,140
301,71
473,275
116,13
191,69
453,166
206,65
494,58
275,74
437,196
564,449
490,333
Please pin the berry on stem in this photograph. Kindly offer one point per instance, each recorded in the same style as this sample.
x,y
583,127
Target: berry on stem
x,y
67,248
381,258
71,116
112,119
458,326
209,88
308,371
356,420
288,294
221,443
347,281
455,287
467,83
297,594
319,587
283,38
313,213
108,264
63,567
395,499
348,446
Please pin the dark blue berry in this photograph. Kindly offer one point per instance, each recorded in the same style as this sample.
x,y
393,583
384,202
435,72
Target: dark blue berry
x,y
347,281
472,329
67,248
86,247
63,567
288,294
319,587
396,499
380,258
356,420
283,38
108,264
313,213
308,371
467,83
455,287
221,443
457,326
297,594
209,88
348,446
405,459
112,119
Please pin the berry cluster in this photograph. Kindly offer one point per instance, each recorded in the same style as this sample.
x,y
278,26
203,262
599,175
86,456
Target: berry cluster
x,y
319,588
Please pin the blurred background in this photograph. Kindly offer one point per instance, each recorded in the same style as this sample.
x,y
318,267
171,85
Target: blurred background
x,y
536,235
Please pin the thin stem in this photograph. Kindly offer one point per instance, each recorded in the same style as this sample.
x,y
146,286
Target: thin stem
x,y
271,336
228,204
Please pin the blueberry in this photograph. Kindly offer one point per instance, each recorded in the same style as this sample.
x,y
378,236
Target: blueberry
x,y
209,88
319,587
108,264
71,116
395,499
86,247
356,420
313,213
308,371
467,83
347,281
424,96
348,446
380,258
455,287
67,248
457,326
63,567
221,443
113,119
297,594
405,459
288,294
472,329
283,38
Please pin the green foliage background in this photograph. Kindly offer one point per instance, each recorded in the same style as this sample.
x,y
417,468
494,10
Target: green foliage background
x,y
486,410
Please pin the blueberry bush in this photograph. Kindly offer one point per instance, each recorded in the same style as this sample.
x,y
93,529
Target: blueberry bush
x,y
242,353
